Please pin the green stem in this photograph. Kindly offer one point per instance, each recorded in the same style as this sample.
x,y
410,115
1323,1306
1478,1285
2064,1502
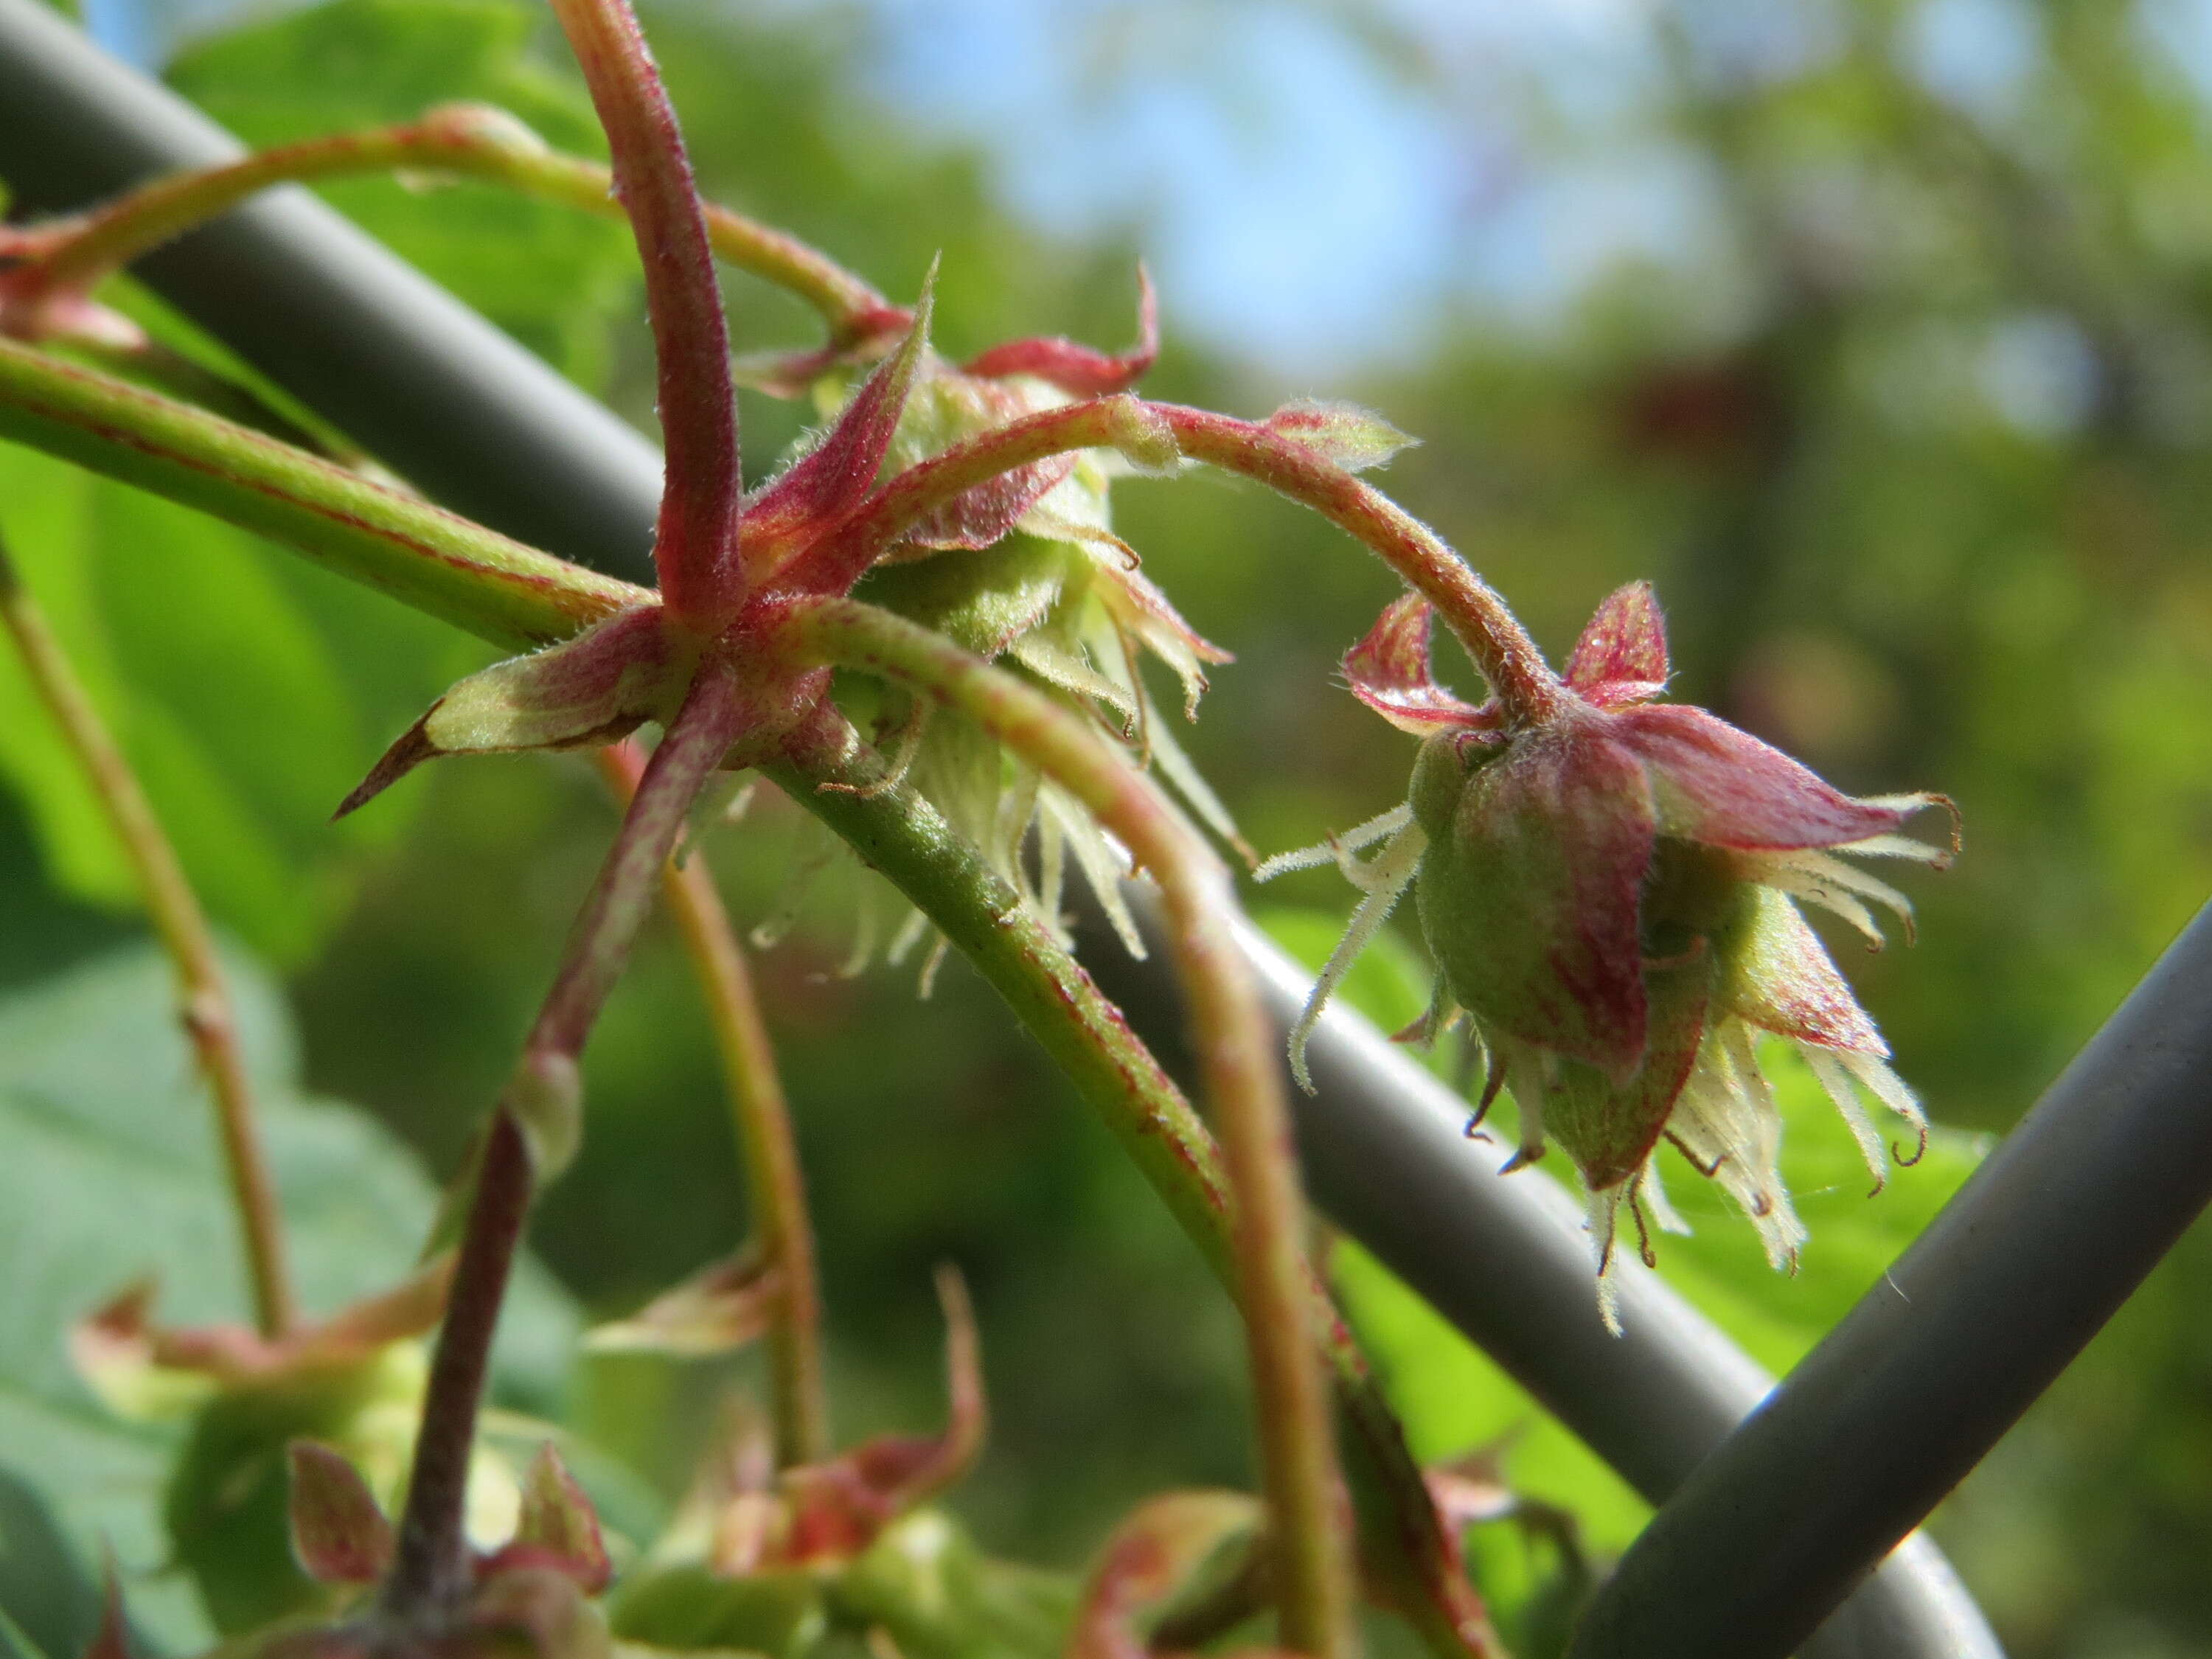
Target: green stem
x,y
695,547
895,831
776,1183
1235,1046
425,557
1501,648
204,995
464,141
430,1572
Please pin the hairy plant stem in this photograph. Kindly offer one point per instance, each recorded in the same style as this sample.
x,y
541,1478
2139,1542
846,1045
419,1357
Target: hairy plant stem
x,y
536,1111
902,836
434,560
463,140
694,545
1234,1044
204,1004
776,1184
1501,648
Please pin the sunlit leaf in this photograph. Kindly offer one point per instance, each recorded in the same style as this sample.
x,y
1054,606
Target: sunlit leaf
x,y
553,277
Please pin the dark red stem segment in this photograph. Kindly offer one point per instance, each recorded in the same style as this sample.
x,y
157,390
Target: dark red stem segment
x,y
431,1573
430,1567
695,547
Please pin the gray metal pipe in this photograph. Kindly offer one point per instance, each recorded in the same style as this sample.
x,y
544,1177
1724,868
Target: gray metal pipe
x,y
1973,1322
451,403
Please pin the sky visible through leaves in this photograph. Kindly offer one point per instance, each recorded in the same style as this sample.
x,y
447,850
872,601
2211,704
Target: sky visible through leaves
x,y
1316,185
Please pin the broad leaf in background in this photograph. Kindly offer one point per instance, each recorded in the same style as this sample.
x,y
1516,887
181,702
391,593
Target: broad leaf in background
x,y
112,1176
247,689
555,279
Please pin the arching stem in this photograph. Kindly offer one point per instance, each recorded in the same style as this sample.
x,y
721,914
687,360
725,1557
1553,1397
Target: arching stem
x,y
459,141
1234,1047
775,1183
202,994
1501,648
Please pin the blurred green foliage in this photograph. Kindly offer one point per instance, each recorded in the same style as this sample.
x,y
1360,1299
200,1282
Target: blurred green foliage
x,y
1913,442
109,1180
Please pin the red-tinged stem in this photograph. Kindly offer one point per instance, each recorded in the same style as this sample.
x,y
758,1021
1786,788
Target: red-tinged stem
x,y
695,547
1117,422
1234,1046
202,994
466,140
1501,648
430,1571
423,556
430,1563
776,1184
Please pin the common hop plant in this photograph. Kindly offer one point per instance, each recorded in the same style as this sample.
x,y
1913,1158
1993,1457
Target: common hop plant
x,y
1609,890
1609,886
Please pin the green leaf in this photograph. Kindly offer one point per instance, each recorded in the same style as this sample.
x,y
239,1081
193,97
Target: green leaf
x,y
1452,1399
555,278
112,1175
249,691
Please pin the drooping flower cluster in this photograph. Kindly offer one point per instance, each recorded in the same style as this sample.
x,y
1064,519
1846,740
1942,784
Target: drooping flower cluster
x,y
1610,897
1029,573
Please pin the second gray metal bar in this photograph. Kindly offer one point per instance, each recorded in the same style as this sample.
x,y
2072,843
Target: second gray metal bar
x,y
1972,1323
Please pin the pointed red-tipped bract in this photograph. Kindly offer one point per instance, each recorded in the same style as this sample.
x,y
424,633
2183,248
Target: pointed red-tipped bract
x,y
557,1530
838,1508
1777,976
1081,371
1725,788
1389,672
1153,1555
339,1534
1621,657
824,487
595,687
1344,435
1609,1131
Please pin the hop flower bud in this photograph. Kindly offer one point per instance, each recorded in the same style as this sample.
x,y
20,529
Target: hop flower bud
x,y
1608,896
